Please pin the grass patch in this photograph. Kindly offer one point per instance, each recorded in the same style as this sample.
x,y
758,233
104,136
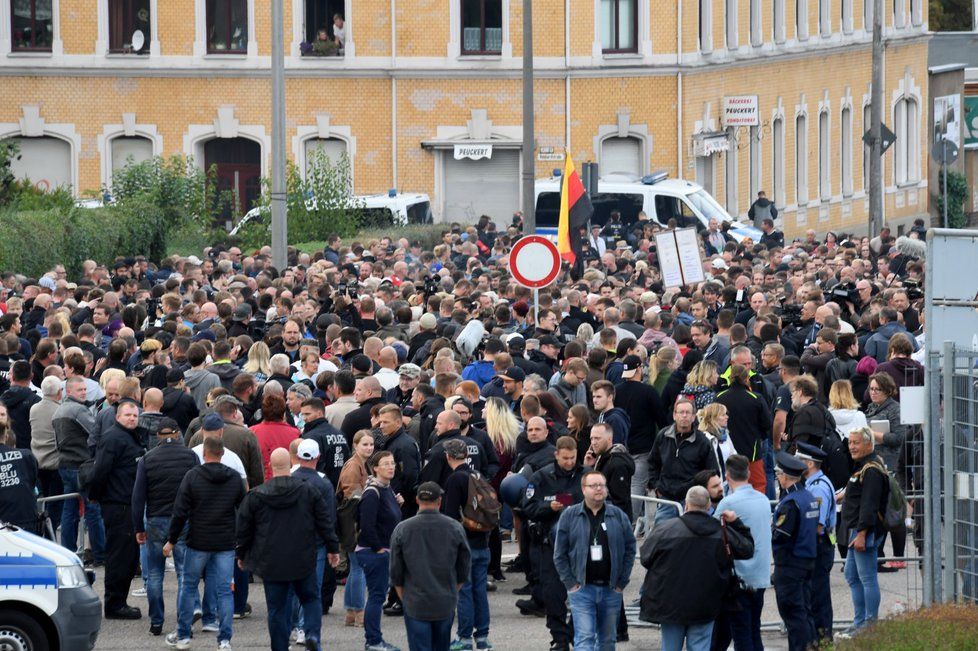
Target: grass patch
x,y
946,627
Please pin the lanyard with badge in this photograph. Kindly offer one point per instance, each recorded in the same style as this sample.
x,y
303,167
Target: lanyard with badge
x,y
597,551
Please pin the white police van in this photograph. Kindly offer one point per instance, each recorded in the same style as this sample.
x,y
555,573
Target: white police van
x,y
46,600
660,197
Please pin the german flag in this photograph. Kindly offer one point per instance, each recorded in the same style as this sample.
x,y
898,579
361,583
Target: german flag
x,y
575,211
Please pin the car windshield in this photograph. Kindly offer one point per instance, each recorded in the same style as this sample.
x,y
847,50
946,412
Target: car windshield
x,y
707,205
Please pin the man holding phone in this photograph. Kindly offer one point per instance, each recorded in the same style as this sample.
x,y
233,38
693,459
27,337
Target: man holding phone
x,y
551,490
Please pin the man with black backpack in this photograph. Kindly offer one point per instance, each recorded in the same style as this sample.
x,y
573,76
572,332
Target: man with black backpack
x,y
473,598
813,424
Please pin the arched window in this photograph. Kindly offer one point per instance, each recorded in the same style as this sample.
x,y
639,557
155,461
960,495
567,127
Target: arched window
x,y
845,151
778,6
824,158
334,148
801,160
45,161
801,20
706,25
733,38
777,159
906,165
125,149
867,150
621,155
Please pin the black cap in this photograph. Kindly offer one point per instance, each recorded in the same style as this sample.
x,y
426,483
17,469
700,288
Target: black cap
x,y
809,452
789,465
174,375
167,427
429,491
514,373
361,363
549,340
630,366
242,313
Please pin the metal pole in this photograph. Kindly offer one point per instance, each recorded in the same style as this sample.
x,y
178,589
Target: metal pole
x,y
536,308
279,223
944,172
876,119
948,579
529,167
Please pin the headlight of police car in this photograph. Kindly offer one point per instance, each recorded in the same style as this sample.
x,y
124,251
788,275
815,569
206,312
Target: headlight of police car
x,y
71,576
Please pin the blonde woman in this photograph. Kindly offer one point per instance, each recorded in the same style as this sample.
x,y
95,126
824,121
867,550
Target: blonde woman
x,y
701,384
257,364
661,366
353,479
713,422
845,408
585,333
503,430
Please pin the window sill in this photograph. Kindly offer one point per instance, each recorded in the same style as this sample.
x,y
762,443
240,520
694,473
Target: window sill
x,y
31,54
226,55
484,56
907,185
126,55
621,55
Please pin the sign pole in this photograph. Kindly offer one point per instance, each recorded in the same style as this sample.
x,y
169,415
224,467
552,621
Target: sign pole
x,y
944,171
536,307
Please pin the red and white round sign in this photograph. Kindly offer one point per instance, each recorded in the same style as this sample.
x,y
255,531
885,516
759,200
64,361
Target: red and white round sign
x,y
534,261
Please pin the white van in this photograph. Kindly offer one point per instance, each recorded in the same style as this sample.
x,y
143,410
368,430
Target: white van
x,y
391,209
46,599
660,197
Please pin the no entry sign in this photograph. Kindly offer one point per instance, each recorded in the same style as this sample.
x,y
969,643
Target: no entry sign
x,y
534,261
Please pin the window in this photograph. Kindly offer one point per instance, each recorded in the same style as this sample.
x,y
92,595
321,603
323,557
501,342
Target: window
x,y
706,25
126,150
899,14
733,40
621,155
868,15
777,161
906,165
801,20
482,26
916,16
825,18
127,18
801,160
730,172
324,31
227,26
31,25
619,26
755,161
756,37
824,158
846,6
44,161
778,6
845,151
867,150
334,149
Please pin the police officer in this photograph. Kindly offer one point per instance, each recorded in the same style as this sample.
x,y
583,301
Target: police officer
x,y
18,483
794,545
551,490
819,591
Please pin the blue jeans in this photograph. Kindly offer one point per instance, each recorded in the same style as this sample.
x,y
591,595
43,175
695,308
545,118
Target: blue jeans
x,y
154,565
217,568
69,518
697,637
863,581
376,571
594,609
355,592
473,599
278,598
297,609
428,636
767,449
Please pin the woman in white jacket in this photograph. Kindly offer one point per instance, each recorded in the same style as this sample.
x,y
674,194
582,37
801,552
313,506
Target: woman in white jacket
x,y
845,408
713,422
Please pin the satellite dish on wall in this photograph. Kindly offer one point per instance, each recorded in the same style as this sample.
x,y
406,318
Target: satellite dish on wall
x,y
138,40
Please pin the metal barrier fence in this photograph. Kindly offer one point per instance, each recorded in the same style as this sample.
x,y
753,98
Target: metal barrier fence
x,y
49,528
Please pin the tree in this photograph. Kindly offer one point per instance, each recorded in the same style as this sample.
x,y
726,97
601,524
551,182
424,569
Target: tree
x,y
949,15
957,194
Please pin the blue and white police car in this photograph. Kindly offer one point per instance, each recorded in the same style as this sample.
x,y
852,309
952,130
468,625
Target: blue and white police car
x,y
46,599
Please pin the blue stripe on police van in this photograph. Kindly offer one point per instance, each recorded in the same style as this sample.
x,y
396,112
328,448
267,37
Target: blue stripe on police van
x,y
29,570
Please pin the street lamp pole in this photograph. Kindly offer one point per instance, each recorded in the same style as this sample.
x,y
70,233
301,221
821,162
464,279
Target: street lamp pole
x,y
875,129
279,223
529,167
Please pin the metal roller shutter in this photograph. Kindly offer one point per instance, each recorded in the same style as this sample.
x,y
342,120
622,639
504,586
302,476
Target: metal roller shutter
x,y
139,149
621,155
490,186
45,161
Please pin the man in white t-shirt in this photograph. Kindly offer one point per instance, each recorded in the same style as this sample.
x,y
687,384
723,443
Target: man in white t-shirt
x,y
213,427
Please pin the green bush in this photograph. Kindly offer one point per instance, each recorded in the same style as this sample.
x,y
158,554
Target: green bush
x,y
957,194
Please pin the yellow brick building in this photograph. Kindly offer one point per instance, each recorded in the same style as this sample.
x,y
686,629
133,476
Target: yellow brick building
x,y
636,85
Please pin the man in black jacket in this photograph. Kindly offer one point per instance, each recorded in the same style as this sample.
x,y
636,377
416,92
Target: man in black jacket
x,y
111,484
368,393
463,408
281,525
178,404
613,461
550,491
406,455
333,449
436,468
208,497
158,477
19,399
680,451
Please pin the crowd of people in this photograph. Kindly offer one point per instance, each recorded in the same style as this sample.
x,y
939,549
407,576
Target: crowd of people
x,y
380,418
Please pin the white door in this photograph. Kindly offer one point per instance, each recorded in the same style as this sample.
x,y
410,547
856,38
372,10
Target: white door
x,y
125,149
705,172
621,155
472,188
45,161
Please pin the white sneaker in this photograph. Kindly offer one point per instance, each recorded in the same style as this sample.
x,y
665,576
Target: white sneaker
x,y
224,644
139,592
212,627
170,566
300,637
292,635
174,642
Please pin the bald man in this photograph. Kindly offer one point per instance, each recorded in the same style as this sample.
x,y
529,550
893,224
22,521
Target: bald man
x,y
387,375
368,393
281,527
152,414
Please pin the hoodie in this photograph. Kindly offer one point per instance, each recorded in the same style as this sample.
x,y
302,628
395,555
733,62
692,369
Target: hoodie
x,y
19,401
208,498
225,371
200,382
618,467
479,372
280,527
619,421
180,406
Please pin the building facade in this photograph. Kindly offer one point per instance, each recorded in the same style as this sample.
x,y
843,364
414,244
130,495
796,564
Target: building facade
x,y
738,95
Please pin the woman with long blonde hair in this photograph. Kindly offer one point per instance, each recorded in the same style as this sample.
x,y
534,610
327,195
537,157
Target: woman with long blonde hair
x,y
701,383
713,422
503,430
257,364
661,365
845,409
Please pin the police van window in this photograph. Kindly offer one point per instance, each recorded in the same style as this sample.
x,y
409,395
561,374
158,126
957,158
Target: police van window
x,y
629,205
666,208
419,213
377,217
687,217
548,209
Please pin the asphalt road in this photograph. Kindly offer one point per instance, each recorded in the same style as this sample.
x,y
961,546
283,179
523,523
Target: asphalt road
x,y
509,629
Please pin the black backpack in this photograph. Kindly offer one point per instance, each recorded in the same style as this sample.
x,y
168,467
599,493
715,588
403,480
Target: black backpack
x,y
837,464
